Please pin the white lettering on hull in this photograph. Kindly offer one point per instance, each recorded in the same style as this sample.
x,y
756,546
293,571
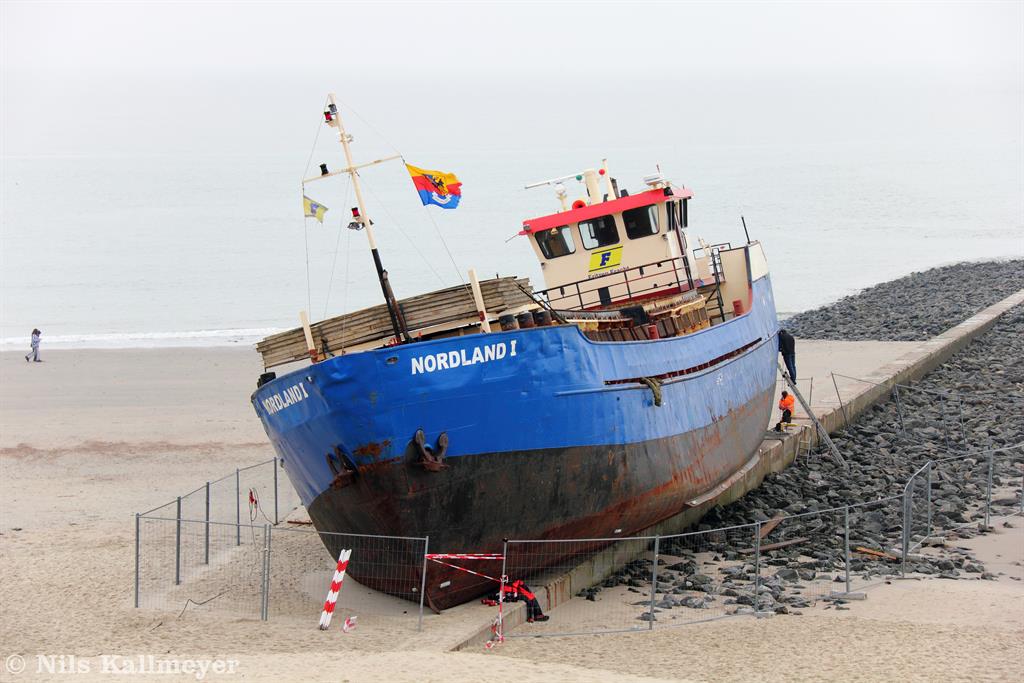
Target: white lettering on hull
x,y
449,360
284,399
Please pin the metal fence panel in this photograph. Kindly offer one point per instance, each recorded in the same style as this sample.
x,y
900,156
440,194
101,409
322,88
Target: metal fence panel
x,y
384,576
710,574
917,509
958,493
1008,484
617,573
803,559
875,532
199,566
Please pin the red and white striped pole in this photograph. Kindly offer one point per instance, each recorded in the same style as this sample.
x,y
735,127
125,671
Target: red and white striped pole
x,y
332,594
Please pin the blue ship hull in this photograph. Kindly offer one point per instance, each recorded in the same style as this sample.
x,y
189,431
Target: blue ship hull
x,y
549,435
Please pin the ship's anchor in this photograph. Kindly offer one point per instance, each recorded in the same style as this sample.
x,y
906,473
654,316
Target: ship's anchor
x,y
655,387
342,467
431,459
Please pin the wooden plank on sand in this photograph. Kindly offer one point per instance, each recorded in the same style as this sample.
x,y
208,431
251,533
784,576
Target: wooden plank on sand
x,y
770,525
875,553
774,546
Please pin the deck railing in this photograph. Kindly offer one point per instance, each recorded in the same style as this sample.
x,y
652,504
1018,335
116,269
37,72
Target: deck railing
x,y
636,282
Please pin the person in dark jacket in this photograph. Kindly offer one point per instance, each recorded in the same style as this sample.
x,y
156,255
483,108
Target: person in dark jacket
x,y
34,353
787,347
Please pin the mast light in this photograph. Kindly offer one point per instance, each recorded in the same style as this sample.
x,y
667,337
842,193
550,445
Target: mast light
x,y
323,169
358,222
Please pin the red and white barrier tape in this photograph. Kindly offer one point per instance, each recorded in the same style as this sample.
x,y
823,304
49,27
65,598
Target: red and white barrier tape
x,y
497,628
332,594
463,569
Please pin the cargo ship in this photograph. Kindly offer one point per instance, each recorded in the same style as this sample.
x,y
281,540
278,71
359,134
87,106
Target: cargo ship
x,y
636,383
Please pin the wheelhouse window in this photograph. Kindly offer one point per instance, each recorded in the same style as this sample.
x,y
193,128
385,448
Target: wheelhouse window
x,y
555,242
641,221
598,232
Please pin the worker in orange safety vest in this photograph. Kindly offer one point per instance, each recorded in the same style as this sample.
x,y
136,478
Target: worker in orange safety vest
x,y
786,405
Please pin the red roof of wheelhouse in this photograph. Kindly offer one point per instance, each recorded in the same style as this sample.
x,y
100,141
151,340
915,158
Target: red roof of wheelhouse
x,y
632,201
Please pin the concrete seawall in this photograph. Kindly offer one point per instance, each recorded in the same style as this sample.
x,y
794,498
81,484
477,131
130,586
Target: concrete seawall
x,y
774,455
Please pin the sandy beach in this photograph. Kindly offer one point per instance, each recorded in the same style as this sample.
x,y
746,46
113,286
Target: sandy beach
x,y
88,438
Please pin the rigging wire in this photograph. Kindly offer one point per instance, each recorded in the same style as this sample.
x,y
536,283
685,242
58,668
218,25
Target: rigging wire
x,y
341,226
305,220
404,234
312,151
344,296
437,229
305,238
371,127
398,225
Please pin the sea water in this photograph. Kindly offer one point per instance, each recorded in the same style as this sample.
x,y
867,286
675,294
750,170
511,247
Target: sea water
x,y
172,249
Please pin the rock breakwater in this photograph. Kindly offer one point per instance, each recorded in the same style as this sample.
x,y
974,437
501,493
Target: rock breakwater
x,y
912,308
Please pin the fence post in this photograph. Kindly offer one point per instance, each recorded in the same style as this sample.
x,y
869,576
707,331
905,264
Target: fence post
x,y
899,407
846,418
276,519
988,486
238,508
177,544
423,581
136,560
265,597
928,493
945,421
846,544
654,583
905,535
501,584
960,407
847,594
206,533
757,568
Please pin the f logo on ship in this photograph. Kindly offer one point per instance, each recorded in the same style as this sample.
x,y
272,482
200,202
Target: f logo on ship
x,y
608,258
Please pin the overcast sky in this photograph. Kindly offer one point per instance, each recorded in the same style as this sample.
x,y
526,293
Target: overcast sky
x,y
437,40
206,76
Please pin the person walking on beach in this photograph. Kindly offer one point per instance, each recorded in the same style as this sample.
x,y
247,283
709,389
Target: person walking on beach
x,y
787,347
786,405
34,353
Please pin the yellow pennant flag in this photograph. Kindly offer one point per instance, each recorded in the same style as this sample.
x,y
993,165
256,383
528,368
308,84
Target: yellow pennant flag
x,y
313,209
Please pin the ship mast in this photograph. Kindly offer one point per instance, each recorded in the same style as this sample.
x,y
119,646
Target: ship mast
x,y
360,217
